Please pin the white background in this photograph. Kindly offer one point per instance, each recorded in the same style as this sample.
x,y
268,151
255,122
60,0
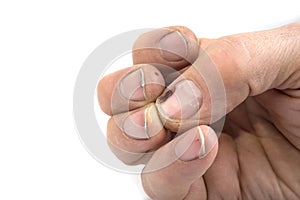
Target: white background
x,y
42,47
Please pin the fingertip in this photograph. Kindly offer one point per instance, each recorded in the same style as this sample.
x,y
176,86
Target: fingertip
x,y
196,143
170,172
129,88
136,134
174,46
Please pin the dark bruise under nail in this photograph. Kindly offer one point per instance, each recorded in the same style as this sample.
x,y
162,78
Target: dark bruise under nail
x,y
165,96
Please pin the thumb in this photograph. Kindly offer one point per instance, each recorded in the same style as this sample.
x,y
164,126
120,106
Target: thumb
x,y
228,71
175,169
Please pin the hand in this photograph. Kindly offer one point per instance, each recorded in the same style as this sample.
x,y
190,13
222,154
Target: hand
x,y
257,156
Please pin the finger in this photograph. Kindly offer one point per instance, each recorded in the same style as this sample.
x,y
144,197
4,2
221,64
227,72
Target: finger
x,y
133,135
230,70
173,47
176,166
129,88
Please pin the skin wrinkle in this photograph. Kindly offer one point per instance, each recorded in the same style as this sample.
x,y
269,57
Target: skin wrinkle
x,y
292,193
246,46
239,169
284,46
239,173
248,192
293,81
276,121
236,48
257,82
260,51
293,93
282,129
278,178
295,45
240,156
206,188
257,115
290,47
187,196
289,110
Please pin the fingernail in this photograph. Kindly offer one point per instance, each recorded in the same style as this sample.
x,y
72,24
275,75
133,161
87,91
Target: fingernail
x,y
181,102
132,86
208,141
142,124
195,144
173,46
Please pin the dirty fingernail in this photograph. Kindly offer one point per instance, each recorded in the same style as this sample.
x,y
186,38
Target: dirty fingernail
x,y
173,46
182,102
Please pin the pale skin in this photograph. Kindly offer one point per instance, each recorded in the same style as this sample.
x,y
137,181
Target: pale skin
x,y
257,156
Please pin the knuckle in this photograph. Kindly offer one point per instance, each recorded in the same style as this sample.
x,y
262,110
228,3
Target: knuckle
x,y
235,48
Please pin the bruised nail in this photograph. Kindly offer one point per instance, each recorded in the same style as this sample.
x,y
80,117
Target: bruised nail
x,y
164,97
173,46
195,144
132,86
182,102
142,124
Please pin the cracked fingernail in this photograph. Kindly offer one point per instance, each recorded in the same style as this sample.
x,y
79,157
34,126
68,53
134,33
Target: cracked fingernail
x,y
195,144
132,86
142,124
